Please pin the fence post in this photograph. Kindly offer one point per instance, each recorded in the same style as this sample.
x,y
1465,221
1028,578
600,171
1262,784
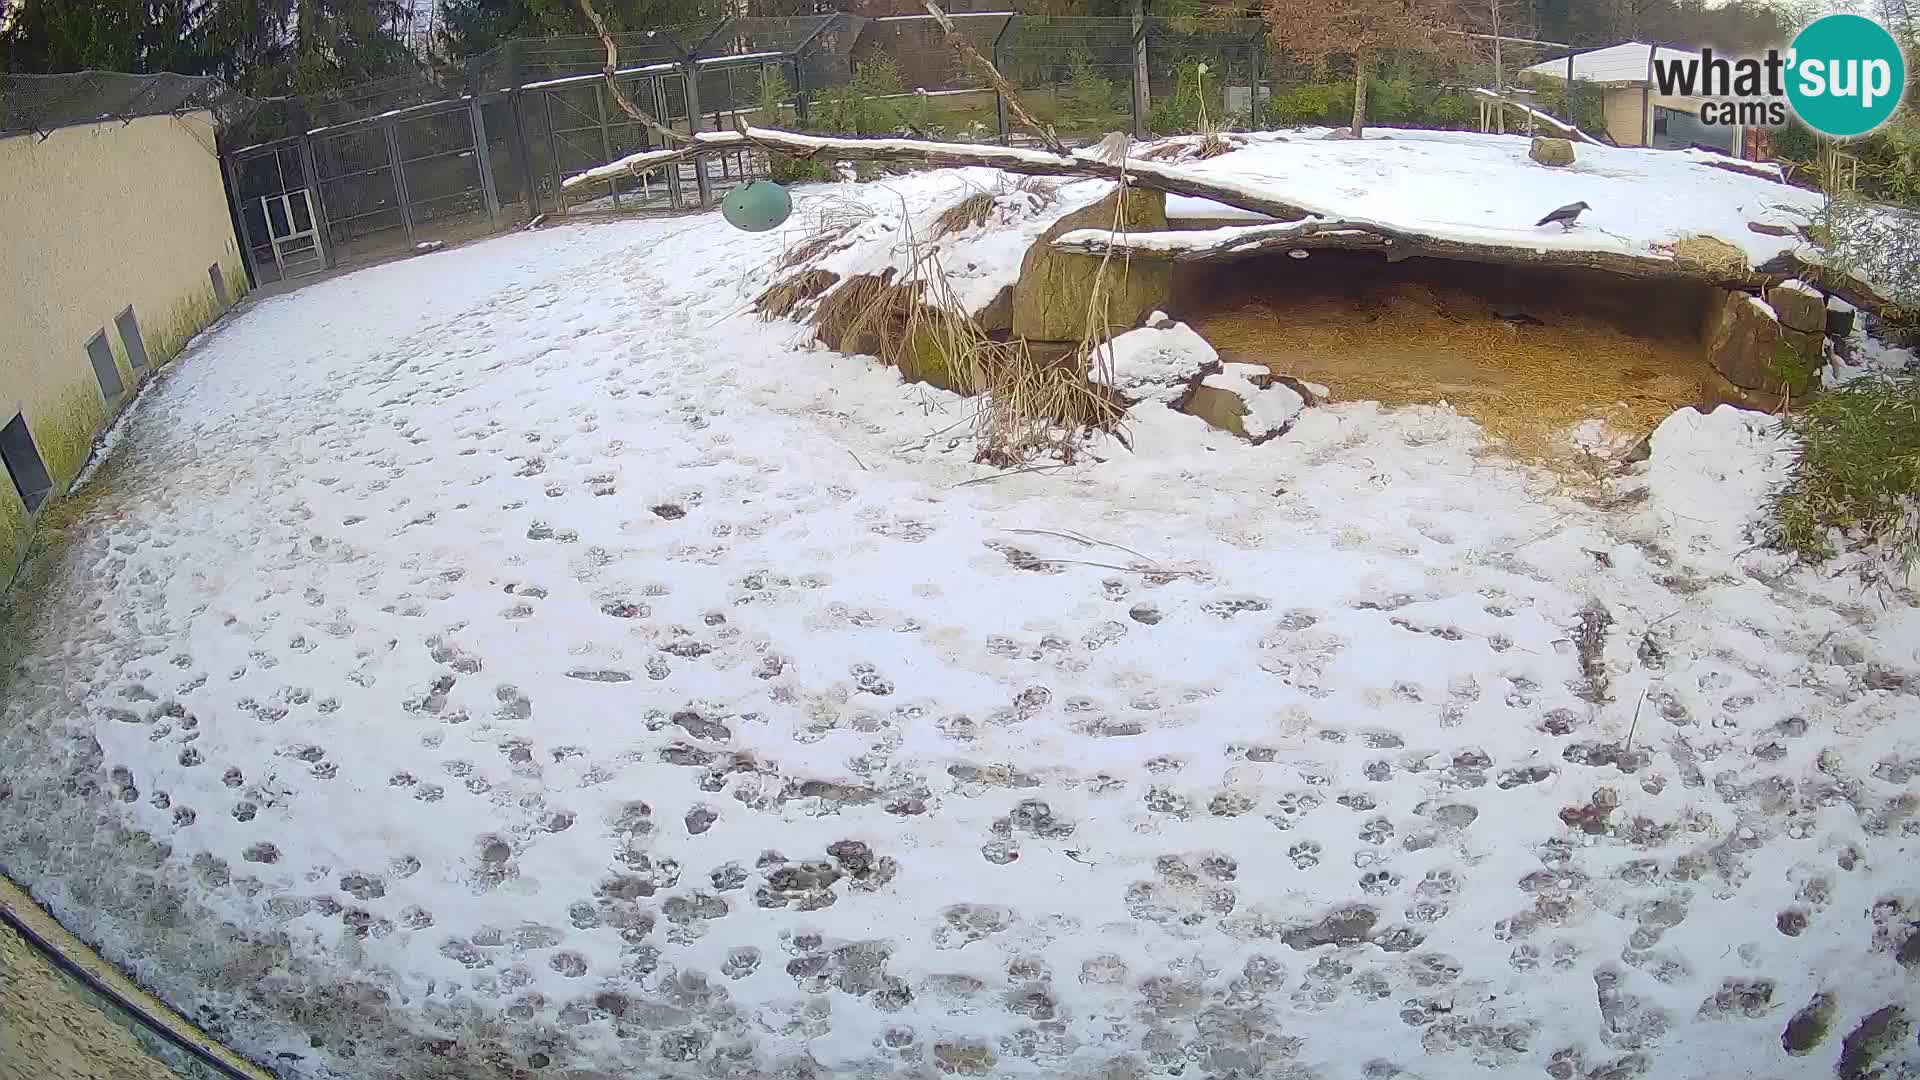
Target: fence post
x,y
237,211
1569,110
553,153
522,154
606,141
399,177
1000,65
483,159
1141,105
801,109
322,233
1257,115
694,121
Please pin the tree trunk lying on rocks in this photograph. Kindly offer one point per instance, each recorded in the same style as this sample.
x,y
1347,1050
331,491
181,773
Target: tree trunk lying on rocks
x,y
1298,225
1317,234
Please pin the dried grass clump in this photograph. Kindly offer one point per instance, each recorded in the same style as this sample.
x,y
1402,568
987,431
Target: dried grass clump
x,y
968,213
1709,253
1027,404
1209,145
1526,385
834,219
867,313
780,298
1045,190
1212,146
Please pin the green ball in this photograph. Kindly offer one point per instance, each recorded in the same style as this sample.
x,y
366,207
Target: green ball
x,y
757,207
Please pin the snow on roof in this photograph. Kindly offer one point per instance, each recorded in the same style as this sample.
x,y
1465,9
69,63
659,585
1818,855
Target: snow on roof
x,y
1623,63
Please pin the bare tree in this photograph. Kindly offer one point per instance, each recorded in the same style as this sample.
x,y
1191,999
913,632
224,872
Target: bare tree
x,y
1318,30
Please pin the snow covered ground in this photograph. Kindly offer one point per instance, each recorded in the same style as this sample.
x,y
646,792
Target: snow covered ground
x,y
518,658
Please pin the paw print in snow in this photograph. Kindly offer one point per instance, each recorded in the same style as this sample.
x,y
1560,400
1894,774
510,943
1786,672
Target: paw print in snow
x,y
1377,831
1379,882
1304,854
1290,807
868,680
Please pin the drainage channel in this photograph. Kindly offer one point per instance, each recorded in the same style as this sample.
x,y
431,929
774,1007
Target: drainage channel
x,y
66,1012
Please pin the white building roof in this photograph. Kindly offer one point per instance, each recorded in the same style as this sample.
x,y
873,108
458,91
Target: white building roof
x,y
1623,63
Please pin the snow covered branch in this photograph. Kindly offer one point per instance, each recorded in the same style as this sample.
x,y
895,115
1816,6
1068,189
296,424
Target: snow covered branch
x,y
1565,129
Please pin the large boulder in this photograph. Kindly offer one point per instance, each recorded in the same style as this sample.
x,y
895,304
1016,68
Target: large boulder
x,y
1050,299
1246,400
996,319
1157,362
1742,338
1799,306
1556,152
1840,318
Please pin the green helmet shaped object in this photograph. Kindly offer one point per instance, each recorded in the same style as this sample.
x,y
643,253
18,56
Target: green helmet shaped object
x,y
757,207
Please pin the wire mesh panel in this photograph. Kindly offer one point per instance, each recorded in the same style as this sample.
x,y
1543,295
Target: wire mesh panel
x,y
258,176
1075,73
442,175
358,186
1204,73
443,153
42,103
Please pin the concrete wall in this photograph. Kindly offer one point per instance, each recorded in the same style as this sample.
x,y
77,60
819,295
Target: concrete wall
x,y
94,218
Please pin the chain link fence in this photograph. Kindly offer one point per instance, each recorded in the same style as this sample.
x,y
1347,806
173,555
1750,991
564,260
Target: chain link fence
x,y
40,104
383,167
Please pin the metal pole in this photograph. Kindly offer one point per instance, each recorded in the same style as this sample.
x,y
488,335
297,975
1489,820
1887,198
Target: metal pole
x,y
694,122
1142,106
1000,64
800,107
553,155
1499,74
1257,120
1569,110
522,153
399,177
606,142
322,232
238,214
674,194
483,160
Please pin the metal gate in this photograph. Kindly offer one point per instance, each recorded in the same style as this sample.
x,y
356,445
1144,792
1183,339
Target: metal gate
x,y
280,224
293,233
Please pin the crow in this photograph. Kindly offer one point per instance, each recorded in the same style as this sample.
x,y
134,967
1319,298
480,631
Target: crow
x,y
1565,215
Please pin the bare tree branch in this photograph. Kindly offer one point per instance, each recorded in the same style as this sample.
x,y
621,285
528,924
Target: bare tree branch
x,y
613,86
999,81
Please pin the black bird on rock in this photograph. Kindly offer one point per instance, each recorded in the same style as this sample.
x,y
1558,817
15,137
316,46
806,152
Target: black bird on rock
x,y
1565,215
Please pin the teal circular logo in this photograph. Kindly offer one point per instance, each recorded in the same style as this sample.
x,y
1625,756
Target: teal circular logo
x,y
1845,75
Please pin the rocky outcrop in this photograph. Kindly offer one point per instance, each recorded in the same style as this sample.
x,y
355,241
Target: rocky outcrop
x,y
1742,338
1798,306
1050,299
1555,152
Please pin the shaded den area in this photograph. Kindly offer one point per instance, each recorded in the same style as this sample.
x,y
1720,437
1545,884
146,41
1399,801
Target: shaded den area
x,y
1528,353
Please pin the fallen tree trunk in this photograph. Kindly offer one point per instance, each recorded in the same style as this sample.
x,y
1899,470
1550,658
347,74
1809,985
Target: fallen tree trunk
x,y
1566,130
1316,234
1298,225
1168,178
